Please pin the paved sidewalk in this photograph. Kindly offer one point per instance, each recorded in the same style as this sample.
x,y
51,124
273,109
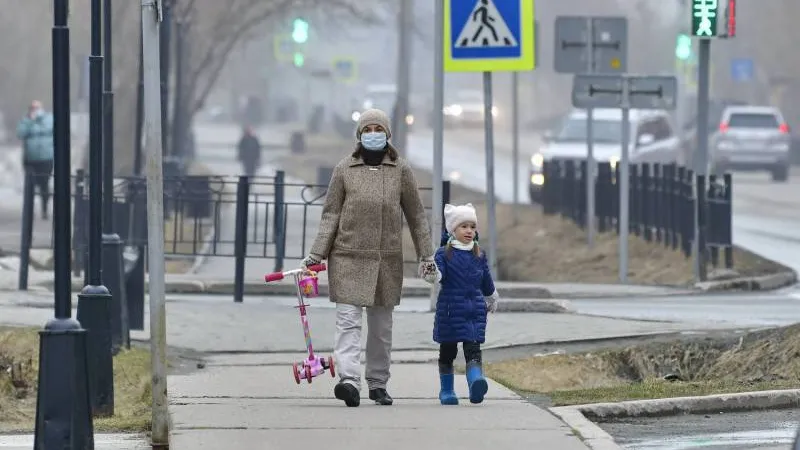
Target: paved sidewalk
x,y
271,324
235,404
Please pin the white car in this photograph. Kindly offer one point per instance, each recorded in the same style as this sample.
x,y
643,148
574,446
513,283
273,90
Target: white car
x,y
752,138
465,108
652,139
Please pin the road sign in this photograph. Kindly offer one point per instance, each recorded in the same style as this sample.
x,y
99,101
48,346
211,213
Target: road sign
x,y
704,18
345,70
283,47
597,91
653,92
742,70
624,91
603,41
489,35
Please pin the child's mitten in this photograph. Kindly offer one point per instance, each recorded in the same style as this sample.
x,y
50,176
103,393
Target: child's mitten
x,y
428,271
491,302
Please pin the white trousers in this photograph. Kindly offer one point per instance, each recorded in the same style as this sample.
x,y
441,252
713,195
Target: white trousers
x,y
347,344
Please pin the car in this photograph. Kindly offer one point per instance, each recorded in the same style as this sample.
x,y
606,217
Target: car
x,y
383,97
465,108
752,138
652,139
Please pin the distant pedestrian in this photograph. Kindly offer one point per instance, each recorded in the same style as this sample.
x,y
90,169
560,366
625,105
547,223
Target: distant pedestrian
x,y
35,130
467,293
249,152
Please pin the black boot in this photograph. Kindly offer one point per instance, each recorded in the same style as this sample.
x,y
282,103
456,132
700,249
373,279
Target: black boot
x,y
347,393
380,396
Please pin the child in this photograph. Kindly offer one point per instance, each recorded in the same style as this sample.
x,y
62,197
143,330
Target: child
x,y
467,294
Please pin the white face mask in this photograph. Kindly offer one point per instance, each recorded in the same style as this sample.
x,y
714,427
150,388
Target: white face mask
x,y
374,141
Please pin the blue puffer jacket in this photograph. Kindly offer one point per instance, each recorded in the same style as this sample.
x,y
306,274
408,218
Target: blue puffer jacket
x,y
37,137
461,307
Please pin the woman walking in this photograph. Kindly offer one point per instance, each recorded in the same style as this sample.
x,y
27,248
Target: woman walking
x,y
360,234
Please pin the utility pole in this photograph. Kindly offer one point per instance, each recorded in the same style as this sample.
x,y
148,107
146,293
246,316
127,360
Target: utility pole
x,y
438,132
400,132
151,20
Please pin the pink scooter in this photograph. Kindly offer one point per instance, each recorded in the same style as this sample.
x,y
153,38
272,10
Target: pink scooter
x,y
305,281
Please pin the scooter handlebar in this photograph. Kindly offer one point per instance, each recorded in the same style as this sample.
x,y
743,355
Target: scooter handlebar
x,y
277,276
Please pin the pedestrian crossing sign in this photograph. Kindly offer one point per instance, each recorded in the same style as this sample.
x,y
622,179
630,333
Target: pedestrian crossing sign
x,y
489,35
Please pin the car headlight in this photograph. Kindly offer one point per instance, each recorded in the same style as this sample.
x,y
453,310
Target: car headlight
x,y
454,110
613,161
537,160
355,116
410,119
495,111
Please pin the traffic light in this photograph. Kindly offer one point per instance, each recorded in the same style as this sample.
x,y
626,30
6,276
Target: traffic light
x,y
683,47
300,31
299,60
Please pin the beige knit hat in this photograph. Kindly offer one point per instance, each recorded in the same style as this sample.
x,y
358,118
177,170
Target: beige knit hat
x,y
373,117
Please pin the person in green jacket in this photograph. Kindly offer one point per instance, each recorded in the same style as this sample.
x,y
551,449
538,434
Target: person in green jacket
x,y
35,130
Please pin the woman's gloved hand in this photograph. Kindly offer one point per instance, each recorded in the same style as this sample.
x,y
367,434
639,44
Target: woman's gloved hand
x,y
428,271
310,260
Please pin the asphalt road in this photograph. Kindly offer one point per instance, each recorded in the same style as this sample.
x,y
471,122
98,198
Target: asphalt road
x,y
746,309
765,212
771,430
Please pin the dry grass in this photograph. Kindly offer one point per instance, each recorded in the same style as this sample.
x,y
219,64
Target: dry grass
x,y
537,238
760,361
19,365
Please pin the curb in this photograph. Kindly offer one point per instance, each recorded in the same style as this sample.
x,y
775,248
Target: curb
x,y
761,283
578,417
516,299
592,435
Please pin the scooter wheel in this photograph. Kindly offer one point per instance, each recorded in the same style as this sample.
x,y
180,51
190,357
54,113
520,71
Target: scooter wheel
x,y
296,373
308,374
331,366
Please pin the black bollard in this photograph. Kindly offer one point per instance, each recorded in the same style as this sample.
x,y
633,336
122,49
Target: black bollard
x,y
63,405
95,299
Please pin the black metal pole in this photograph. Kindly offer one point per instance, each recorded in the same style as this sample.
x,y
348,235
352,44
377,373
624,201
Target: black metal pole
x,y
108,121
63,407
113,270
165,35
137,146
177,108
94,301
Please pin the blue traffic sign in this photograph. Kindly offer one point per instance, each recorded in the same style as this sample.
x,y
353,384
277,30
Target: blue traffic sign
x,y
489,35
344,69
742,69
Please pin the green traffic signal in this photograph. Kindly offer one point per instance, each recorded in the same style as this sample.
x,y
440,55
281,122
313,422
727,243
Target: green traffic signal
x,y
683,47
300,31
299,60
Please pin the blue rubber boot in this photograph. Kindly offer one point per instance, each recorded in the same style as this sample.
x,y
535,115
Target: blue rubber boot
x,y
476,382
447,394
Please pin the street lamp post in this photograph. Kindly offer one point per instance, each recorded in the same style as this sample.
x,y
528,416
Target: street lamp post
x,y
63,405
113,272
95,301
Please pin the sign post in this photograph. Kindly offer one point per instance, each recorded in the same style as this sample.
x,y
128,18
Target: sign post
x,y
625,92
487,36
705,15
591,45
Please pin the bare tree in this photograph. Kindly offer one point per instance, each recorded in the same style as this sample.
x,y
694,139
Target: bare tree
x,y
218,27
